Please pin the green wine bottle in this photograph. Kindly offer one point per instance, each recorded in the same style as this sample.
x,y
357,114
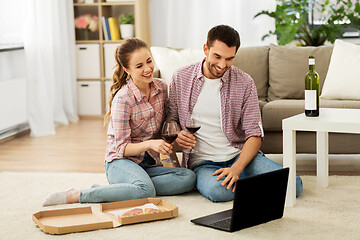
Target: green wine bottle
x,y
312,90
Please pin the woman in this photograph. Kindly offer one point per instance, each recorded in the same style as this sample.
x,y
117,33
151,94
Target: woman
x,y
137,107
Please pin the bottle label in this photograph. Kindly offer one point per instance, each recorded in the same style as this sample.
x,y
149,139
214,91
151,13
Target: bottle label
x,y
311,61
310,99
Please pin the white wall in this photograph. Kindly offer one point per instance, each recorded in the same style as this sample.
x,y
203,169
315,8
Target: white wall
x,y
185,23
11,21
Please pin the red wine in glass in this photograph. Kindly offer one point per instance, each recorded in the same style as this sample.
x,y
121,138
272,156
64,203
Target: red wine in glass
x,y
193,129
192,126
169,133
169,138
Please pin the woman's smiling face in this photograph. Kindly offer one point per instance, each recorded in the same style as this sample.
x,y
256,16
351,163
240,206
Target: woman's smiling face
x,y
141,67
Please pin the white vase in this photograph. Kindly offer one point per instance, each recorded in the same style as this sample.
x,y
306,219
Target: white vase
x,y
127,30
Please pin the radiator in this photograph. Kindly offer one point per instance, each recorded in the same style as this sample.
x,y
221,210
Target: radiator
x,y
13,107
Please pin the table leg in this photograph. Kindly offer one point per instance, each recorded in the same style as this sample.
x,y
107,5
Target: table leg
x,y
289,160
322,162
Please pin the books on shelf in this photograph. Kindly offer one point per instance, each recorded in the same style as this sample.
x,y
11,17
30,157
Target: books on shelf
x,y
106,28
114,29
110,28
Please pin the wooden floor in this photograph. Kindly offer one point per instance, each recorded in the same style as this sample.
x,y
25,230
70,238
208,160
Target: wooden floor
x,y
80,147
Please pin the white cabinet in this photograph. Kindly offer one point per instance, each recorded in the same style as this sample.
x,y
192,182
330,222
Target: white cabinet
x,y
88,61
109,58
89,97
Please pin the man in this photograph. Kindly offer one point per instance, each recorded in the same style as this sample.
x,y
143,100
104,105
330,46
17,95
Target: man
x,y
224,100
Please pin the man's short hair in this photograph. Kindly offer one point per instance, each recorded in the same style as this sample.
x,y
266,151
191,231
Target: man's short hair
x,y
225,34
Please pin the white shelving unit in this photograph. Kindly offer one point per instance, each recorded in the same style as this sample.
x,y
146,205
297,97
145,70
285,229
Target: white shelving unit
x,y
95,56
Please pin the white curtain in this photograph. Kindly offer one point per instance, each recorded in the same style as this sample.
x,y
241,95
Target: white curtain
x,y
50,58
185,23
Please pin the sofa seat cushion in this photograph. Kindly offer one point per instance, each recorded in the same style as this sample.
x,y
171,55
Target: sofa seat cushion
x,y
255,62
288,66
274,112
339,143
352,104
261,104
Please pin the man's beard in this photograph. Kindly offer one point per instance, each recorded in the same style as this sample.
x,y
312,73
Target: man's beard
x,y
212,71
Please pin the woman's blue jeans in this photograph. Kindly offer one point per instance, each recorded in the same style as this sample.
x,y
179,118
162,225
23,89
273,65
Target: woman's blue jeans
x,y
129,180
210,188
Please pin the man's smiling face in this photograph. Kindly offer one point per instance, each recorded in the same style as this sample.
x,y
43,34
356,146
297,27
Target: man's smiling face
x,y
219,58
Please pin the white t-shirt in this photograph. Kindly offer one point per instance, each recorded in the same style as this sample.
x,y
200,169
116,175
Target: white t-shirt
x,y
211,142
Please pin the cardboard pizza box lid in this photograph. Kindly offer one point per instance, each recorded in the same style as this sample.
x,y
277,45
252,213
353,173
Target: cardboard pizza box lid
x,y
80,219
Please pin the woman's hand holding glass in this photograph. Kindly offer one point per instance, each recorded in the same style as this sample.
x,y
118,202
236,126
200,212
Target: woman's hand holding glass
x,y
160,146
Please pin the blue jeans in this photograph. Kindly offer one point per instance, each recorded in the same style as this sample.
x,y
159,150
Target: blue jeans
x,y
129,180
210,188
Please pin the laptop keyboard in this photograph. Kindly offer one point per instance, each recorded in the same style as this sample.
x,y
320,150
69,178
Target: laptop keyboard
x,y
223,223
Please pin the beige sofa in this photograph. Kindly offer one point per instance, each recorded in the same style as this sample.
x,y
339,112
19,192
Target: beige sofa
x,y
278,72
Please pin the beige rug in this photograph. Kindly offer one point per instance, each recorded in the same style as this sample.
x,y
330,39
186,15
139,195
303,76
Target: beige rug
x,y
331,213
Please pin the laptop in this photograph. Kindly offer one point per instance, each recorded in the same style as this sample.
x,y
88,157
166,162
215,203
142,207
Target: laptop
x,y
258,199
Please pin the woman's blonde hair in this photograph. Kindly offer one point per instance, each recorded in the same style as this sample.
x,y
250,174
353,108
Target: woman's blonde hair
x,y
122,57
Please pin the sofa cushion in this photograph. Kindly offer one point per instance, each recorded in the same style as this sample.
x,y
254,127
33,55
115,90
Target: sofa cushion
x,y
342,80
167,60
352,104
255,62
288,66
262,104
275,111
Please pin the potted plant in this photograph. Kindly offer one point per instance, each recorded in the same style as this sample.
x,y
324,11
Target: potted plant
x,y
126,22
294,19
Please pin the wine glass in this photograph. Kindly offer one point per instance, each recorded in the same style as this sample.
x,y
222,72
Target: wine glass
x,y
192,126
169,133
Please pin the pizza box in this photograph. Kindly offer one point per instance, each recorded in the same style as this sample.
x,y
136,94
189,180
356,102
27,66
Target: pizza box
x,y
81,219
174,164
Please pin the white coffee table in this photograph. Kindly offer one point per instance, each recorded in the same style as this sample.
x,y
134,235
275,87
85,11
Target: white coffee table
x,y
330,120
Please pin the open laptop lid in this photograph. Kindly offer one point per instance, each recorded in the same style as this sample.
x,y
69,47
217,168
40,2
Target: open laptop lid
x,y
259,199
